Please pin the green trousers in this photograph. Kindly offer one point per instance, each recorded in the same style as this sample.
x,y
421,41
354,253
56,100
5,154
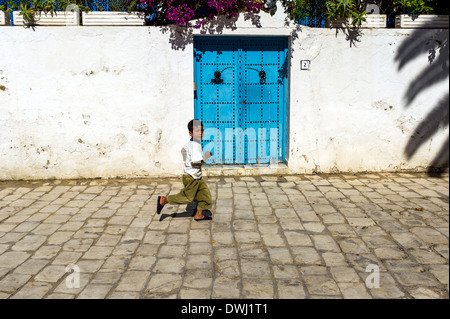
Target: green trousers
x,y
193,188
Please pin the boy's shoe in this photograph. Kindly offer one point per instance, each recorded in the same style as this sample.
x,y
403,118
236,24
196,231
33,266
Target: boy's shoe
x,y
204,218
207,212
207,215
159,207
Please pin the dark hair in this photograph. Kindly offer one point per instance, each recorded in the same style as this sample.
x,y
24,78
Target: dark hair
x,y
191,124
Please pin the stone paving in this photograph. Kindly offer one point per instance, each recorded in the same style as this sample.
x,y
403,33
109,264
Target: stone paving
x,y
309,236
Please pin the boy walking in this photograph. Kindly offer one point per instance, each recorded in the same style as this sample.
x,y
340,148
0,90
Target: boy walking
x,y
194,185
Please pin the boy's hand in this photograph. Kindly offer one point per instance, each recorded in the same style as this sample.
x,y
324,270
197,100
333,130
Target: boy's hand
x,y
208,154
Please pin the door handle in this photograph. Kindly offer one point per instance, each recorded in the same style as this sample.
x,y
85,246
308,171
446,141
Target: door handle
x,y
262,77
217,79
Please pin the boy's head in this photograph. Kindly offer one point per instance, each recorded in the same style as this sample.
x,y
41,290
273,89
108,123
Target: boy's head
x,y
195,128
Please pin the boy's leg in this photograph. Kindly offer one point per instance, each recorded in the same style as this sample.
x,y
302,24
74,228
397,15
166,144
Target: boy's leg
x,y
186,195
204,199
192,207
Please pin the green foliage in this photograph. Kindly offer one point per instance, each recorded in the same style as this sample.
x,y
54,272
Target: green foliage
x,y
346,9
329,9
301,9
439,6
27,12
82,5
355,9
340,8
120,5
412,6
295,9
29,8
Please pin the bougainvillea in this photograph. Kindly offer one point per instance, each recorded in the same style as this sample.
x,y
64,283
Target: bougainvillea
x,y
182,12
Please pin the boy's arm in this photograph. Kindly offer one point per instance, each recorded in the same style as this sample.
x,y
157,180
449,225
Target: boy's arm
x,y
197,164
208,154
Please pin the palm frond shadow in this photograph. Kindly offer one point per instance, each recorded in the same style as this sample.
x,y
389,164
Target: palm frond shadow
x,y
435,43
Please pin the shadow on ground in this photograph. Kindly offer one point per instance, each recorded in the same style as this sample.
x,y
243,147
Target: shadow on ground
x,y
191,209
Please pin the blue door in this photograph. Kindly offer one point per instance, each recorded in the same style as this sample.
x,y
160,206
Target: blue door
x,y
240,95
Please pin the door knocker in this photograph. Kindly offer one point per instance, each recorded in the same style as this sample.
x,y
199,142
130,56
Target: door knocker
x,y
217,79
262,77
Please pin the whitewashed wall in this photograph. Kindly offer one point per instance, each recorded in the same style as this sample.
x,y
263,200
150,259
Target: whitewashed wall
x,y
92,102
85,102
350,111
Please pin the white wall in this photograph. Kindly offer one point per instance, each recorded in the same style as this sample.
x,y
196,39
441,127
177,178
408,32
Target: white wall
x,y
79,102
92,102
349,112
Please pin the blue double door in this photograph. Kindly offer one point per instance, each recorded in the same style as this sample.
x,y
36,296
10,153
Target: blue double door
x,y
240,95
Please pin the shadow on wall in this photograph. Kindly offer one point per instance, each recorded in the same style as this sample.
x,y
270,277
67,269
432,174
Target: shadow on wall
x,y
435,43
181,37
352,34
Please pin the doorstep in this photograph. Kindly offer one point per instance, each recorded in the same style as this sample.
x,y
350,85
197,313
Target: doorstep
x,y
246,170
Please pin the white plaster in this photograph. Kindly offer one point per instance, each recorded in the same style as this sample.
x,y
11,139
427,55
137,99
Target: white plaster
x,y
112,18
81,102
4,18
57,18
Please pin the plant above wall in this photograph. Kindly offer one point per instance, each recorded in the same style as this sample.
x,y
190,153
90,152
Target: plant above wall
x,y
116,13
26,9
346,9
355,10
29,8
420,14
302,9
411,7
439,6
120,5
181,12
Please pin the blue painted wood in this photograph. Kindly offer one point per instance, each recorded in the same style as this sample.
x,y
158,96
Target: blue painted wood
x,y
244,115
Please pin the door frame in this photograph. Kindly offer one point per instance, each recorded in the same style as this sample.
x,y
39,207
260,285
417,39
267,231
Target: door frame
x,y
284,120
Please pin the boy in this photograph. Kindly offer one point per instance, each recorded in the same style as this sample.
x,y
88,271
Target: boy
x,y
194,185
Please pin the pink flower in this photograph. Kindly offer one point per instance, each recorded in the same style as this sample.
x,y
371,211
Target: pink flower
x,y
182,11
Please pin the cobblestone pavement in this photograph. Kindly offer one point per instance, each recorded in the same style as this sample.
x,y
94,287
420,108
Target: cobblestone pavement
x,y
305,236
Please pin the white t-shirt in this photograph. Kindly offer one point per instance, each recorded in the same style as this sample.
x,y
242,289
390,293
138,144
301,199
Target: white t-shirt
x,y
193,157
